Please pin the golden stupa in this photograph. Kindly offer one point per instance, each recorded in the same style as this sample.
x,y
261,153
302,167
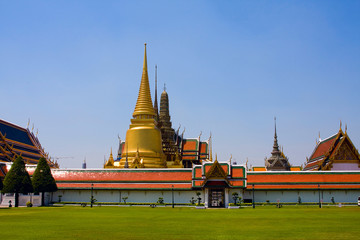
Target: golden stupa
x,y
143,144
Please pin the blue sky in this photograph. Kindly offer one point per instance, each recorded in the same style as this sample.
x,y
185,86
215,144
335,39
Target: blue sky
x,y
74,69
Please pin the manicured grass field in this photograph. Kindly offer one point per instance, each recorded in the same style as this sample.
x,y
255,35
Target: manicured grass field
x,y
289,222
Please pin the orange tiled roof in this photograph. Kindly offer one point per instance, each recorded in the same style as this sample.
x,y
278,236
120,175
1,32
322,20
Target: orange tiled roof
x,y
122,175
255,169
303,180
323,147
190,145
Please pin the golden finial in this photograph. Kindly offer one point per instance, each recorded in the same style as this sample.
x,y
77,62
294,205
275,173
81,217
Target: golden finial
x,y
144,104
319,135
210,148
215,157
340,124
28,124
345,127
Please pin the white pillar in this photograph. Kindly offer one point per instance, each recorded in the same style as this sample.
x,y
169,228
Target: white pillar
x,y
206,203
226,197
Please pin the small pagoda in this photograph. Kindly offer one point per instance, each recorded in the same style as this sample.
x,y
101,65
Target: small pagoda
x,y
278,161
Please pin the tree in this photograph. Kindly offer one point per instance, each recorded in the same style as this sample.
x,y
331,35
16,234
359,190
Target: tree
x,y
17,180
43,180
235,197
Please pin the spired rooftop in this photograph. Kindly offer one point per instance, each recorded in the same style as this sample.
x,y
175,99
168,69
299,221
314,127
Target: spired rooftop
x,y
143,144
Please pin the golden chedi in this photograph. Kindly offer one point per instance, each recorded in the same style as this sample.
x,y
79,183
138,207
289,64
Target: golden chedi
x,y
143,144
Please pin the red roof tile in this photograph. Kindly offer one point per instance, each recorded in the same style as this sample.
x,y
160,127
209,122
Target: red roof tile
x,y
203,148
190,145
323,147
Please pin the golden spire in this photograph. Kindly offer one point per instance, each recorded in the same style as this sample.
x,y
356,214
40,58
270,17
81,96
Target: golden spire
x,y
144,104
110,161
340,124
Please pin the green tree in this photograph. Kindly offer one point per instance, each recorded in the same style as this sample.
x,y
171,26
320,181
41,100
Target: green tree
x,y
43,180
17,180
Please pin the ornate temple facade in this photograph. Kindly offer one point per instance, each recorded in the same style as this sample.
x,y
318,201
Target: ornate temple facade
x,y
151,142
336,152
17,141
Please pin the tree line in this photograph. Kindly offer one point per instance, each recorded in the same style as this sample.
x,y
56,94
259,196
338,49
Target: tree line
x,y
18,180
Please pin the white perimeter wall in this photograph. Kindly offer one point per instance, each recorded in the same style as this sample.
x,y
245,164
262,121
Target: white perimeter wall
x,y
185,196
115,196
134,196
306,195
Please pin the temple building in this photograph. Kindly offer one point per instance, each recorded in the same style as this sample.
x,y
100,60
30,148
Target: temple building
x,y
151,142
278,161
336,153
17,141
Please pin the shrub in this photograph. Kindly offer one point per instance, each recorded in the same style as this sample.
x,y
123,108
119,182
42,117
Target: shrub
x,y
160,200
29,204
198,194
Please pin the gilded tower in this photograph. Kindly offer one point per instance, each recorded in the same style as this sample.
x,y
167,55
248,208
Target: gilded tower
x,y
143,144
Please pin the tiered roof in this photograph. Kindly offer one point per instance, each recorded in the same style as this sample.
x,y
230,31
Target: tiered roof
x,y
278,161
17,141
336,148
194,150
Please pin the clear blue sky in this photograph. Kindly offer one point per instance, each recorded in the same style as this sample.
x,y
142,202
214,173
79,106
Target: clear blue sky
x,y
74,69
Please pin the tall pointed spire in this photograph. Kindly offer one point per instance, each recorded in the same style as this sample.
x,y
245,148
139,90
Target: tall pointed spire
x,y
276,145
155,100
144,103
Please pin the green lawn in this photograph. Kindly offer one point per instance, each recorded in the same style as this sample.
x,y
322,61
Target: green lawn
x,y
289,222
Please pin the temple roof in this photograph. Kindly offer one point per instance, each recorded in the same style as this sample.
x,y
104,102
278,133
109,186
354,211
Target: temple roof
x,y
194,150
277,161
15,141
329,150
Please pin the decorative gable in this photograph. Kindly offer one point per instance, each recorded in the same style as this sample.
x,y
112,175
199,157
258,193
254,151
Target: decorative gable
x,y
216,172
345,151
